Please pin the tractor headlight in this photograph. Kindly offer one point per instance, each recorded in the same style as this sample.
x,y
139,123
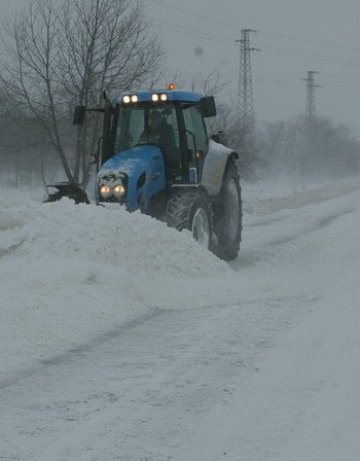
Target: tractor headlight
x,y
156,97
128,98
119,191
105,191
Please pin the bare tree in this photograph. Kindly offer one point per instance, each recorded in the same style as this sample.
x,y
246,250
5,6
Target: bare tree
x,y
61,53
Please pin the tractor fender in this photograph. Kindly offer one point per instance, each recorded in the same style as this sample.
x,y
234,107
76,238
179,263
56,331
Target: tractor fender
x,y
214,167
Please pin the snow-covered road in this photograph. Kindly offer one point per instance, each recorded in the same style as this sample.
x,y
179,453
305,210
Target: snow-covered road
x,y
123,340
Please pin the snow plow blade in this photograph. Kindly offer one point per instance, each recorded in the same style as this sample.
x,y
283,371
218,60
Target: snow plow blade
x,y
66,189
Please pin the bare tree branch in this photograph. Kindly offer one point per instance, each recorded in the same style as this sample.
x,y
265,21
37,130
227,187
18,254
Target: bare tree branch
x,y
61,53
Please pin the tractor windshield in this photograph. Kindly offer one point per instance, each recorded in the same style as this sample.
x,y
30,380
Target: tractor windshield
x,y
147,124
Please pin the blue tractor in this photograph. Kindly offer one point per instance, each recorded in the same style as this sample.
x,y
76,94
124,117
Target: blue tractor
x,y
156,156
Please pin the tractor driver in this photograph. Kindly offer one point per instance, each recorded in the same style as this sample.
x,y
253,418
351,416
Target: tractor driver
x,y
159,131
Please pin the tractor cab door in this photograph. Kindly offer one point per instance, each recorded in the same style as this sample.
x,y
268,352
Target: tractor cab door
x,y
197,142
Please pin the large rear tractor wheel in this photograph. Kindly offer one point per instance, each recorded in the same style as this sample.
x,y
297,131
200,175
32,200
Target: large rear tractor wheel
x,y
191,209
228,215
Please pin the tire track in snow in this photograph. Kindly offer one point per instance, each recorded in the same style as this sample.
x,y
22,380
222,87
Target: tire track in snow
x,y
9,250
255,254
80,351
12,232
314,227
139,388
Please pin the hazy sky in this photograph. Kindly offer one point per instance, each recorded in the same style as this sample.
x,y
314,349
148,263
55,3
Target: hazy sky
x,y
294,36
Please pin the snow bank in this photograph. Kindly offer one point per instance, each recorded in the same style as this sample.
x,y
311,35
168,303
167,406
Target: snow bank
x,y
71,272
134,243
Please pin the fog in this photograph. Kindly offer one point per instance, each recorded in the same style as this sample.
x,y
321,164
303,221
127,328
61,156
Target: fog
x,y
293,36
199,40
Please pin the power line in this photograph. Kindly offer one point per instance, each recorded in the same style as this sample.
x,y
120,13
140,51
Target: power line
x,y
318,56
194,15
190,31
312,42
184,30
271,34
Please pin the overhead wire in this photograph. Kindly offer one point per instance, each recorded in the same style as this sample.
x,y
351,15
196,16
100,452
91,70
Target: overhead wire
x,y
318,56
237,27
278,50
191,31
194,15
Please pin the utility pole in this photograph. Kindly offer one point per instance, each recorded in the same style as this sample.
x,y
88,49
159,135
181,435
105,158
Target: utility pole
x,y
310,145
310,95
245,91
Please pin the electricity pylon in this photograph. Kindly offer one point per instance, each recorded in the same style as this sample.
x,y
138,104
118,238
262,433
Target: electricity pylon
x,y
245,90
310,95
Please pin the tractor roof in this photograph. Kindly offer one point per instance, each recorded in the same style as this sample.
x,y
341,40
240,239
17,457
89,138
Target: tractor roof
x,y
172,95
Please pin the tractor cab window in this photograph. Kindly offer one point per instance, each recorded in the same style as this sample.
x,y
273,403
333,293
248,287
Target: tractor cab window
x,y
146,124
161,127
130,125
197,140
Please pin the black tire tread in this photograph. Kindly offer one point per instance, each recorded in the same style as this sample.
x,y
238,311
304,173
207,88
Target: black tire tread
x,y
181,208
225,248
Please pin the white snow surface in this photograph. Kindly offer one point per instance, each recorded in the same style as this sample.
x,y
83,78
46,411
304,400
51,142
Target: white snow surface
x,y
122,339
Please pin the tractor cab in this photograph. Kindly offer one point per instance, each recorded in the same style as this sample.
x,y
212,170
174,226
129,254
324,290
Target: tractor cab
x,y
170,119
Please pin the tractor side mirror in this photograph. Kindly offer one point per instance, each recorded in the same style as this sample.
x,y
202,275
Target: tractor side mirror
x,y
79,115
220,138
208,107
93,159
